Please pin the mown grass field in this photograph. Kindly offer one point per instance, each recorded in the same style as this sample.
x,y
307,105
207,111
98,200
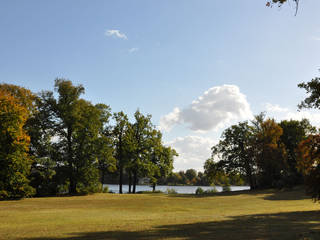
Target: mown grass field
x,y
243,215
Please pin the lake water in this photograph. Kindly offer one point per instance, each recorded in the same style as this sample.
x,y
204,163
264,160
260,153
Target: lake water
x,y
179,189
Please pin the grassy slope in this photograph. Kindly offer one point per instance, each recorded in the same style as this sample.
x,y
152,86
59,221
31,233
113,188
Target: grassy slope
x,y
257,215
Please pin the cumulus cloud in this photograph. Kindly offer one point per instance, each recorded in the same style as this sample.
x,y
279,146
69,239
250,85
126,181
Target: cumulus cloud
x,y
115,33
169,120
214,109
193,152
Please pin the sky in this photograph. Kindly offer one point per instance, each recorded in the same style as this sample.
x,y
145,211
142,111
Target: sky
x,y
196,66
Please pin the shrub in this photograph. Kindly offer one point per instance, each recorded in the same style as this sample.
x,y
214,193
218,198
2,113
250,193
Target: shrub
x,y
89,188
199,191
226,188
211,191
171,191
105,189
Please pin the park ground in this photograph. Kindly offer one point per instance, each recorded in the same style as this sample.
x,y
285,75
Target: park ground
x,y
268,214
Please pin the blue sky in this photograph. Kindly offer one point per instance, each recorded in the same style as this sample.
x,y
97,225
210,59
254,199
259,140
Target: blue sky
x,y
164,55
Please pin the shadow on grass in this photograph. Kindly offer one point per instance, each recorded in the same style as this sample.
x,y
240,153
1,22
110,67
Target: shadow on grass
x,y
287,195
290,225
223,194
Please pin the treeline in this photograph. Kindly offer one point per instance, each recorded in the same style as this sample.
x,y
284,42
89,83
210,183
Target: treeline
x,y
194,178
189,177
272,154
264,151
56,142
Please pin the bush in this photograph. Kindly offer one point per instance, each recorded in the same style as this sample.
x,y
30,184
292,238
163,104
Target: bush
x,y
199,191
63,188
89,188
171,191
105,189
226,188
211,191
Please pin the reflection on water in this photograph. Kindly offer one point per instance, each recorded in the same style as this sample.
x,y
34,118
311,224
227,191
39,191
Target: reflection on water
x,y
179,189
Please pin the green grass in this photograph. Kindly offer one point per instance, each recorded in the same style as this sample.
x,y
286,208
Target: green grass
x,y
244,215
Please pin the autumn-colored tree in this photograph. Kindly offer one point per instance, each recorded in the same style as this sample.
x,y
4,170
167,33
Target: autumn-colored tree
x,y
308,163
15,162
270,154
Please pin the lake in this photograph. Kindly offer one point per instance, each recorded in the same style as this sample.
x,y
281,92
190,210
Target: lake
x,y
179,189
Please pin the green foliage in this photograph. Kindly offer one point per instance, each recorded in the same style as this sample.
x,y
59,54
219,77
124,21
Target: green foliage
x,y
235,154
171,191
93,187
105,189
263,152
15,161
226,188
211,191
308,149
313,91
199,191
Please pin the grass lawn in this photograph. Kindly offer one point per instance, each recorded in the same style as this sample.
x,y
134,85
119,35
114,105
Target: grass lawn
x,y
244,215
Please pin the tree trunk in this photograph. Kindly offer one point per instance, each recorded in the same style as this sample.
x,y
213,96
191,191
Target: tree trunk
x,y
72,186
153,187
120,179
134,181
130,181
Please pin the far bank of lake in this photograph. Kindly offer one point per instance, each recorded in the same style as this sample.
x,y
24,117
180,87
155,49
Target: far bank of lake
x,y
179,189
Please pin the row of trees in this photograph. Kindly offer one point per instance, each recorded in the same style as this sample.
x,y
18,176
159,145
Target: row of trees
x,y
194,178
271,154
263,151
57,142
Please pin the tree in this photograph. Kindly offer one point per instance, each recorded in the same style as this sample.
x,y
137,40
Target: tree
x,y
76,127
161,159
15,161
270,153
279,3
308,149
293,133
313,90
235,153
309,164
191,174
140,135
119,133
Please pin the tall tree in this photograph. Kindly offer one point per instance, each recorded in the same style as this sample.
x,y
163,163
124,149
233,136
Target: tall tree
x,y
65,110
140,134
309,164
235,152
308,161
15,161
161,159
119,134
293,133
77,125
270,152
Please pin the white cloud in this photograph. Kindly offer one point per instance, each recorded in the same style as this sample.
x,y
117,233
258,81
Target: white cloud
x,y
169,120
213,110
280,113
193,152
315,38
275,108
115,33
132,50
